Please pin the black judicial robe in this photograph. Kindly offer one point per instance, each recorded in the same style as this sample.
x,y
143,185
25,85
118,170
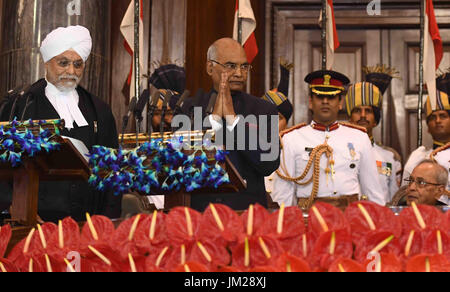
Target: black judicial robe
x,y
71,198
248,163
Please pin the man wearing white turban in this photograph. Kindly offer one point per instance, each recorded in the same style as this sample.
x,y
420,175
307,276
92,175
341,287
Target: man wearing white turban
x,y
87,118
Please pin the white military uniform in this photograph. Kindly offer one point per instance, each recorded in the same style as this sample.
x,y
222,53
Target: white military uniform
x,y
443,158
354,170
389,169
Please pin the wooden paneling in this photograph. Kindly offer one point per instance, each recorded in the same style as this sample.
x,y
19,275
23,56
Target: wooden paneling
x,y
404,56
208,21
413,62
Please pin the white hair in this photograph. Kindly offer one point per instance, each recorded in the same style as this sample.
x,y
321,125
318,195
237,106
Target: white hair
x,y
212,53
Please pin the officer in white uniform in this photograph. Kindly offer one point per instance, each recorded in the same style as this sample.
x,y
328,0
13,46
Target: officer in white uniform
x,y
363,104
326,160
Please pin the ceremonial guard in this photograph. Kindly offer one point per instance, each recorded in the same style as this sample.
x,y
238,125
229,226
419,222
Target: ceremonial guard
x,y
438,121
326,160
364,102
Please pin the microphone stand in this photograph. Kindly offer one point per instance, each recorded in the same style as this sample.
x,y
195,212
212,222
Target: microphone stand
x,y
124,126
163,111
153,105
27,104
138,128
24,92
177,109
126,118
13,108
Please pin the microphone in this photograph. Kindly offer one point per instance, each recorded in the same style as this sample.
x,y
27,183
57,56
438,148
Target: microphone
x,y
153,106
141,103
179,105
6,100
212,103
27,104
167,97
14,91
155,98
126,117
16,98
195,102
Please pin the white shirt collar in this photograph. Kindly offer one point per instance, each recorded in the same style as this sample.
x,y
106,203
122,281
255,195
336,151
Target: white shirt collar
x,y
66,105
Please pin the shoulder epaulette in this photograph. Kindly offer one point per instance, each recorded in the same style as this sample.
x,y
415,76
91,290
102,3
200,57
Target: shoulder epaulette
x,y
287,131
350,125
440,149
397,156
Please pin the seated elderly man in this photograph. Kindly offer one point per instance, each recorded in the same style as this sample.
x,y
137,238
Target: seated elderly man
x,y
426,185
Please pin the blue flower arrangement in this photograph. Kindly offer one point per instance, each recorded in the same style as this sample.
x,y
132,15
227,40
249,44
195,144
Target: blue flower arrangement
x,y
17,140
156,167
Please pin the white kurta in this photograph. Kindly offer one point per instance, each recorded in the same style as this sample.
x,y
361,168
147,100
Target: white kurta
x,y
354,171
388,167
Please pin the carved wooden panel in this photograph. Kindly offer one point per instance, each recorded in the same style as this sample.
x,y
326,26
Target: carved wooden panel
x,y
413,63
405,57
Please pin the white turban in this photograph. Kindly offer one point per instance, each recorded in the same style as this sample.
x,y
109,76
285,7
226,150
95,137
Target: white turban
x,y
62,39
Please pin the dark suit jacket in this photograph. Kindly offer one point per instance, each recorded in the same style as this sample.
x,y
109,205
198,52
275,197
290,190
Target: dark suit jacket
x,y
248,162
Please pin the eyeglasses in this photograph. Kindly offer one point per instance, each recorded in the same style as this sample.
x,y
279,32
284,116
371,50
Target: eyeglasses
x,y
420,182
233,67
64,63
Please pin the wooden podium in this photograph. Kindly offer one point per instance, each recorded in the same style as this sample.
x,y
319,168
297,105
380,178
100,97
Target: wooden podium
x,y
183,198
65,164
